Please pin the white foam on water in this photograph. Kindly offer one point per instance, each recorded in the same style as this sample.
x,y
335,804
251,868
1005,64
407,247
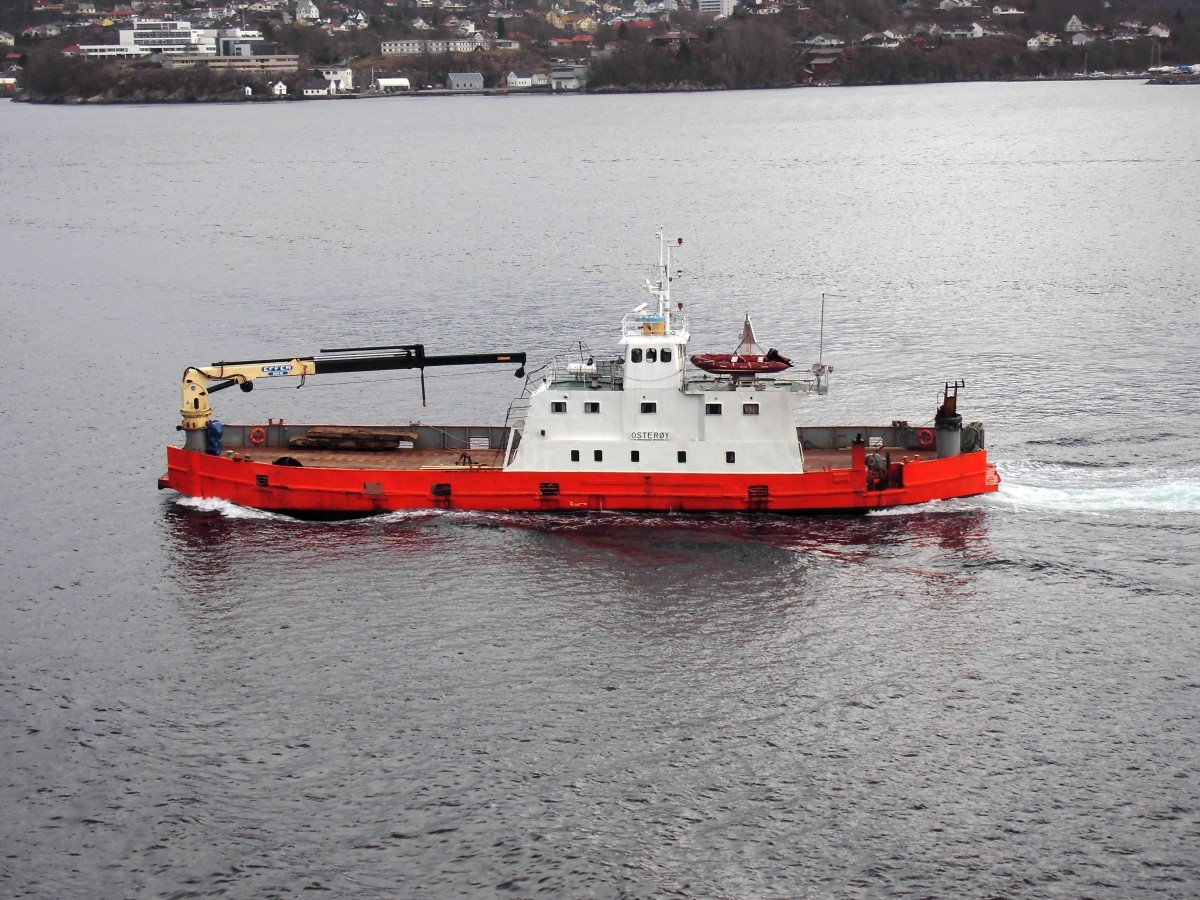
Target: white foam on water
x,y
1027,483
226,509
234,511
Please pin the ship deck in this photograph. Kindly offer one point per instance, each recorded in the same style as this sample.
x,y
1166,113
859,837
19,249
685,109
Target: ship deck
x,y
410,459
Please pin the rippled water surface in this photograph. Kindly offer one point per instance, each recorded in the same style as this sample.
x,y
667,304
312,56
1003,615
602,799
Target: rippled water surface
x,y
986,697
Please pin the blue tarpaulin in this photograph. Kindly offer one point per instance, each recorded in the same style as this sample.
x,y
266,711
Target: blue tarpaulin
x,y
212,443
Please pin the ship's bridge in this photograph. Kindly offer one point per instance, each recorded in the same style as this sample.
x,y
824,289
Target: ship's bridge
x,y
655,348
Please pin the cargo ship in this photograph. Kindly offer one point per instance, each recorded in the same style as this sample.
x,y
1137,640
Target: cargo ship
x,y
636,430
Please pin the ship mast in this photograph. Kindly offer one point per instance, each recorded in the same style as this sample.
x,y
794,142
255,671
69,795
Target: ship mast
x,y
662,291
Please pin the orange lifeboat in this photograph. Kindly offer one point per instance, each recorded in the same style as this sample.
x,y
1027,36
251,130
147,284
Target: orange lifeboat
x,y
747,359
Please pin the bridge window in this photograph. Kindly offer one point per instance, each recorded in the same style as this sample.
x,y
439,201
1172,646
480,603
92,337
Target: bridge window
x,y
574,456
558,406
651,355
598,455
681,455
665,356
635,455
649,408
712,409
749,409
635,355
730,456
591,407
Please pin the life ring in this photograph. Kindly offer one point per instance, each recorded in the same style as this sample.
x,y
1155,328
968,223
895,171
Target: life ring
x,y
925,437
258,435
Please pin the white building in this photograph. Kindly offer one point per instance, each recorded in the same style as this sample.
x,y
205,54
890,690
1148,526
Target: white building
x,y
568,78
237,41
1042,40
716,7
465,44
340,78
112,51
464,81
169,36
307,10
148,36
392,84
519,79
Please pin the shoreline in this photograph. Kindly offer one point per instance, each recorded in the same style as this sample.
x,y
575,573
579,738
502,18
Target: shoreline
x,y
70,100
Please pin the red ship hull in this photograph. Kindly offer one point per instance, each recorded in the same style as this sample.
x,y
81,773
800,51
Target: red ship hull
x,y
346,491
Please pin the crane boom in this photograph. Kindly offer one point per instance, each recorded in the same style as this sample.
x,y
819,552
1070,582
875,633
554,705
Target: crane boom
x,y
201,381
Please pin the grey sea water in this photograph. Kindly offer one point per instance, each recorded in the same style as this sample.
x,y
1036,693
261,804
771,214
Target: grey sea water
x,y
988,697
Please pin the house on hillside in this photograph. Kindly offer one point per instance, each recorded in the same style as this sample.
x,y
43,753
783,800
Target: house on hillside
x,y
824,64
277,89
885,39
1074,25
826,40
958,32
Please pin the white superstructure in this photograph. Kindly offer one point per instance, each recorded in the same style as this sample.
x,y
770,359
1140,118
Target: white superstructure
x,y
644,411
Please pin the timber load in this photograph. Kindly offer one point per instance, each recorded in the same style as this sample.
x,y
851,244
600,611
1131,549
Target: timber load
x,y
351,437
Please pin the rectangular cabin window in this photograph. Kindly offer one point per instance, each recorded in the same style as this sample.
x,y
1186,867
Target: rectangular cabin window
x,y
635,355
558,406
665,356
591,407
712,409
681,455
574,456
730,456
651,355
749,409
598,455
649,408
635,455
